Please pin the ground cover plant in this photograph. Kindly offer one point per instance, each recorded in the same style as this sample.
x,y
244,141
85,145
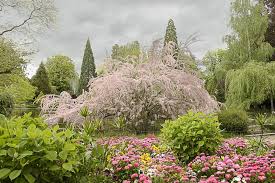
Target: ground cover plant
x,y
147,160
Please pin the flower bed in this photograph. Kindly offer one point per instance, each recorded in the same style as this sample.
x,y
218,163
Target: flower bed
x,y
148,160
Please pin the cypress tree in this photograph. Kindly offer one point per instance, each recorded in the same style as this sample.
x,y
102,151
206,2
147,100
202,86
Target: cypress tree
x,y
88,69
171,35
41,80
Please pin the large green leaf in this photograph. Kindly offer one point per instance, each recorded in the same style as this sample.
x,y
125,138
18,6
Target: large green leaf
x,y
3,152
67,166
63,155
14,174
69,147
4,172
29,177
51,155
24,154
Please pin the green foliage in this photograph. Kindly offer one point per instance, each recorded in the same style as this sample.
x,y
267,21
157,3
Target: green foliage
x,y
248,86
215,74
18,87
33,152
119,123
13,80
88,68
246,44
233,120
11,58
121,52
271,123
41,80
192,134
249,22
6,104
61,72
171,35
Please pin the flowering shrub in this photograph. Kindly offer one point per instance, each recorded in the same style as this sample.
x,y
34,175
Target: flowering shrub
x,y
143,93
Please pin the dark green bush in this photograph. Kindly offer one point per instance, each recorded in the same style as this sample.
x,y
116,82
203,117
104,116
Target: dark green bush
x,y
271,123
6,104
234,120
192,134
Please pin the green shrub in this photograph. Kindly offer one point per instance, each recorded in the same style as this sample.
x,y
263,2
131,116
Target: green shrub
x,y
271,123
192,134
30,151
234,120
6,104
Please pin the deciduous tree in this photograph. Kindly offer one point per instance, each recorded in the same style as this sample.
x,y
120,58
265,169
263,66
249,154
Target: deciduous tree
x,y
61,71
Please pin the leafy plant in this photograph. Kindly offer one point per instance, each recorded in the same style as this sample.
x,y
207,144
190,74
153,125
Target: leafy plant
x,y
119,123
234,120
33,152
192,134
6,104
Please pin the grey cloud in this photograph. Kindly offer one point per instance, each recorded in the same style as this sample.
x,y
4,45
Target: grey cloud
x,y
107,22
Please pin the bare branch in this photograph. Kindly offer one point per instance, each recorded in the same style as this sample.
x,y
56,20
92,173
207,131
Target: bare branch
x,y
19,25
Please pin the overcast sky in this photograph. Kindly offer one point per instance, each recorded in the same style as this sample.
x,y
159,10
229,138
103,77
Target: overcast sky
x,y
107,22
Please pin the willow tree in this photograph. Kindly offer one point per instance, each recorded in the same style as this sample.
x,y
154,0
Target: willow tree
x,y
249,22
252,85
246,43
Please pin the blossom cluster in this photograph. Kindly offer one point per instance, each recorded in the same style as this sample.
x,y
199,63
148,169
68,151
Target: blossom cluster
x,y
142,160
232,146
147,160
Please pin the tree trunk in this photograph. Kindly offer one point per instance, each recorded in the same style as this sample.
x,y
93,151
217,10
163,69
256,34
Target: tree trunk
x,y
272,104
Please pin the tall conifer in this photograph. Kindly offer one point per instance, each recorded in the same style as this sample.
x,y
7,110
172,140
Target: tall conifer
x,y
171,35
88,69
41,80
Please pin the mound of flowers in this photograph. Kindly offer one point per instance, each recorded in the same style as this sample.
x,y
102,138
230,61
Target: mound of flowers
x,y
134,160
142,160
233,163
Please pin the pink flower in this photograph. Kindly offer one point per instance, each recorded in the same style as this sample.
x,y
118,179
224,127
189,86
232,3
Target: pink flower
x,y
261,178
133,176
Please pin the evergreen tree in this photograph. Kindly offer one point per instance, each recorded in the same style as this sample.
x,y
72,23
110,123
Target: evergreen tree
x,y
41,80
171,35
88,69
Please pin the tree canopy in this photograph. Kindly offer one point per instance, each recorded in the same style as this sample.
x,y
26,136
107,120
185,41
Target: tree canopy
x,y
246,44
12,76
123,52
61,72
